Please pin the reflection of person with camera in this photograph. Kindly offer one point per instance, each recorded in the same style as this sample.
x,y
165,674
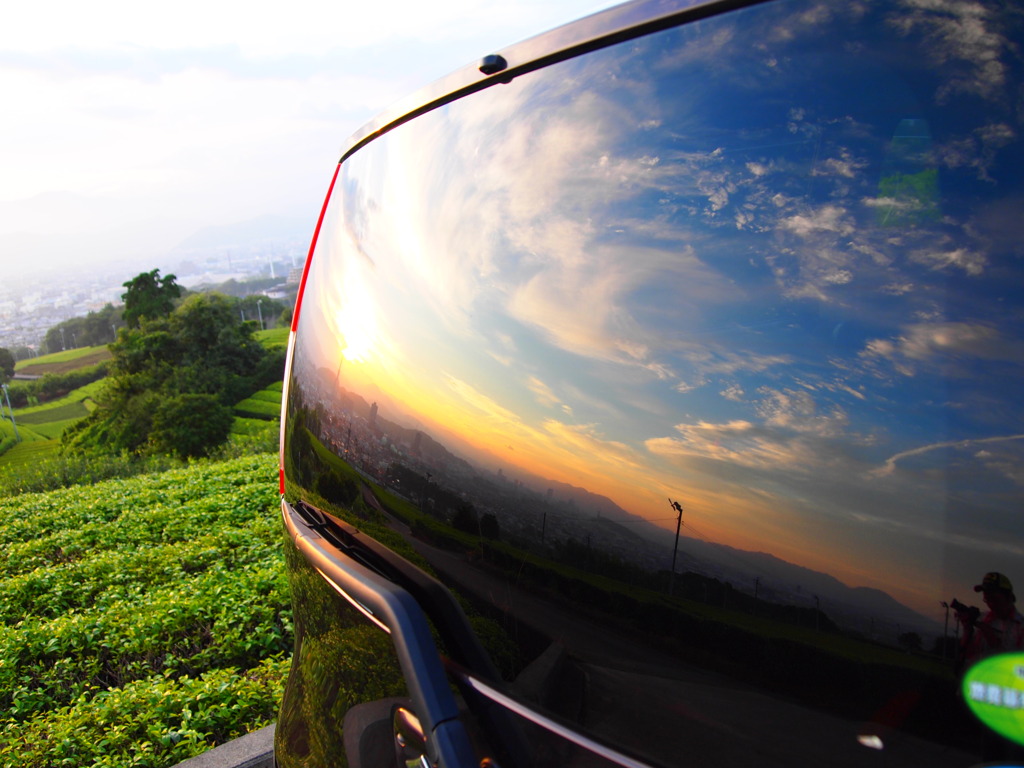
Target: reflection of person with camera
x,y
1000,629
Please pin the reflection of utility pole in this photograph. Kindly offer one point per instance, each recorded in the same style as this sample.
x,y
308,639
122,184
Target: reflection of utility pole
x,y
423,495
675,548
10,411
945,630
543,526
259,310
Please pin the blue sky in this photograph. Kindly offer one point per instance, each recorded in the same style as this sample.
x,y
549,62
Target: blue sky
x,y
127,126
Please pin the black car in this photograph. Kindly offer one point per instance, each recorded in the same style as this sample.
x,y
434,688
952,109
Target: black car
x,y
654,399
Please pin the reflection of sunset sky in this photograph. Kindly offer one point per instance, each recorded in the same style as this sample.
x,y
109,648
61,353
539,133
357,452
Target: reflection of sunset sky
x,y
806,381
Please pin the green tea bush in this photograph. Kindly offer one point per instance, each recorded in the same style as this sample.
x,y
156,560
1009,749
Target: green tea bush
x,y
258,409
142,620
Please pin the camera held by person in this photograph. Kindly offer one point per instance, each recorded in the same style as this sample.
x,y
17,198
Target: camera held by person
x,y
967,614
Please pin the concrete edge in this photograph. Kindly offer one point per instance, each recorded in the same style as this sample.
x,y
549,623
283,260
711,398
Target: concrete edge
x,y
254,750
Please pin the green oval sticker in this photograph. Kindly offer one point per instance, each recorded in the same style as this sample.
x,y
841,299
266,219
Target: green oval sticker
x,y
994,690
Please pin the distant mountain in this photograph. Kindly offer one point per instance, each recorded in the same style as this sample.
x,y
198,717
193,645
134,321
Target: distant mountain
x,y
584,501
862,608
260,231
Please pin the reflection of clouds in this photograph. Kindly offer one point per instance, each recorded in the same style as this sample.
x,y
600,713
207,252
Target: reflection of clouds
x,y
845,165
1010,467
738,443
927,342
542,392
609,269
828,218
733,392
796,410
960,30
1011,470
822,258
914,529
586,440
727,363
709,361
480,401
584,307
971,262
978,150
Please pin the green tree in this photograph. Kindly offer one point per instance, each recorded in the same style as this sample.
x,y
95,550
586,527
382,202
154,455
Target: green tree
x,y
190,425
201,348
910,640
149,296
489,527
465,519
92,330
6,364
255,306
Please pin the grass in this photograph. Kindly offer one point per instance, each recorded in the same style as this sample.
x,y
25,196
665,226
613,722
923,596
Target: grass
x,y
86,395
44,423
273,338
73,410
28,453
265,404
63,362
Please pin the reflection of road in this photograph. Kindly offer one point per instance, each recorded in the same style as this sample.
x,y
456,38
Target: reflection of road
x,y
684,714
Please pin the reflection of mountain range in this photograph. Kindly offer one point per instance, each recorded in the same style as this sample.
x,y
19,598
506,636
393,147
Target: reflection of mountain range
x,y
864,609
870,611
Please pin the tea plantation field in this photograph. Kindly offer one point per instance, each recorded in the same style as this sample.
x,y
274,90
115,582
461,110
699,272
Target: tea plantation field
x,y
142,620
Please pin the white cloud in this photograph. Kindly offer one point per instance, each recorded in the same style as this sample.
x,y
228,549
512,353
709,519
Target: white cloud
x,y
481,402
214,112
733,392
542,392
971,262
828,218
925,343
739,443
796,410
960,30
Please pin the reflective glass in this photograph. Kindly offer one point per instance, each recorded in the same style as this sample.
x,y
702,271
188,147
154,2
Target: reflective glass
x,y
755,280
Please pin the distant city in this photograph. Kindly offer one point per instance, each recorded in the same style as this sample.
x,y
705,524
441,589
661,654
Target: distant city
x,y
30,306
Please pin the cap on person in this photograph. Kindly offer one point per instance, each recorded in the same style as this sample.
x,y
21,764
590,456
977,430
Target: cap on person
x,y
994,581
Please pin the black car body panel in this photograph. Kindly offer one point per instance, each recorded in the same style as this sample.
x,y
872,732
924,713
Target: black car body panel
x,y
654,393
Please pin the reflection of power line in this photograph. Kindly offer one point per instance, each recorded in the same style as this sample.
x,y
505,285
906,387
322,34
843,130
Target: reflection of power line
x,y
636,522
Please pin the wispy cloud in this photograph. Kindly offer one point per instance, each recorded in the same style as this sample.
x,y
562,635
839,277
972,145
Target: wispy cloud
x,y
890,464
925,343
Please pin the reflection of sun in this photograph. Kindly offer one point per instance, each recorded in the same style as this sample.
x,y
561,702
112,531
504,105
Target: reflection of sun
x,y
356,326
